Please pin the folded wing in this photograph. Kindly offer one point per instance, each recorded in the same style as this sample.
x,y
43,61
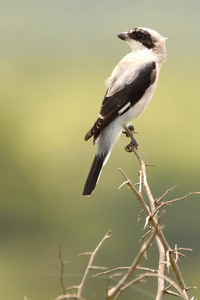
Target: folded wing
x,y
121,101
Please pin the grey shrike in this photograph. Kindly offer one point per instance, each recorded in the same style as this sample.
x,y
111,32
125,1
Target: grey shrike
x,y
129,89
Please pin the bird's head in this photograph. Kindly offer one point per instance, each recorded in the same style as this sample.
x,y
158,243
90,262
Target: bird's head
x,y
145,39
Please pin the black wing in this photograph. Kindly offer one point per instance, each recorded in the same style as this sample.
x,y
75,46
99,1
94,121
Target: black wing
x,y
121,101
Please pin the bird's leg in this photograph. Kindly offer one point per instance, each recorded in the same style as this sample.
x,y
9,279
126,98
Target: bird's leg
x,y
129,131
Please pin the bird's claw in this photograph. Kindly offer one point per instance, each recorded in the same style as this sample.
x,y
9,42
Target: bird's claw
x,y
129,131
133,143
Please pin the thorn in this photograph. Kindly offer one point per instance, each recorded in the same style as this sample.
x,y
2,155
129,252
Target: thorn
x,y
139,215
146,222
124,183
98,268
145,235
85,253
168,261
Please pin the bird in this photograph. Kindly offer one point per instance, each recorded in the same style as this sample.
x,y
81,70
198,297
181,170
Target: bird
x,y
129,90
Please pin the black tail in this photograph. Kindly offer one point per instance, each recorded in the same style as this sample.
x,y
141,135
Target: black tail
x,y
94,174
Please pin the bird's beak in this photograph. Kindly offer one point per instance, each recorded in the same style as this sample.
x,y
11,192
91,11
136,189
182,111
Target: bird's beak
x,y
123,36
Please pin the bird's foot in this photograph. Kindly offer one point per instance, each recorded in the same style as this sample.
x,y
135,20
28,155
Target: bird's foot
x,y
129,132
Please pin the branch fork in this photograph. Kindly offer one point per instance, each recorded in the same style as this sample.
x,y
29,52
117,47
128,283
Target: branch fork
x,y
168,258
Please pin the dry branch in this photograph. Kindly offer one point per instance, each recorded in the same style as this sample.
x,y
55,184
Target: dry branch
x,y
89,267
62,268
167,257
117,289
152,217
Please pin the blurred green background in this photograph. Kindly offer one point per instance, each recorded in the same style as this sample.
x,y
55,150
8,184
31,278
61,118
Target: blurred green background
x,y
54,59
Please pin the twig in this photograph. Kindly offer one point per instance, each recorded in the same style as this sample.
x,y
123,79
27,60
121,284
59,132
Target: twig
x,y
167,191
62,268
152,217
167,256
148,217
89,266
114,291
167,291
147,269
146,275
161,269
72,296
177,253
111,271
144,183
139,215
137,194
160,235
145,235
122,269
175,200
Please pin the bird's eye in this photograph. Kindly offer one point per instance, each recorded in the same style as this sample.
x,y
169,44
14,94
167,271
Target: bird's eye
x,y
140,34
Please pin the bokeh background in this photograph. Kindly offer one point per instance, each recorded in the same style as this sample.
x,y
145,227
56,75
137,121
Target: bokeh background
x,y
54,59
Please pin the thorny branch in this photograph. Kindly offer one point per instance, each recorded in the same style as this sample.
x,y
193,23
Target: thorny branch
x,y
167,256
90,264
89,267
62,268
117,289
151,216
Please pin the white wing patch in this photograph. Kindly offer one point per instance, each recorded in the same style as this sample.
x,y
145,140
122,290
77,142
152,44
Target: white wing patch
x,y
101,117
124,108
